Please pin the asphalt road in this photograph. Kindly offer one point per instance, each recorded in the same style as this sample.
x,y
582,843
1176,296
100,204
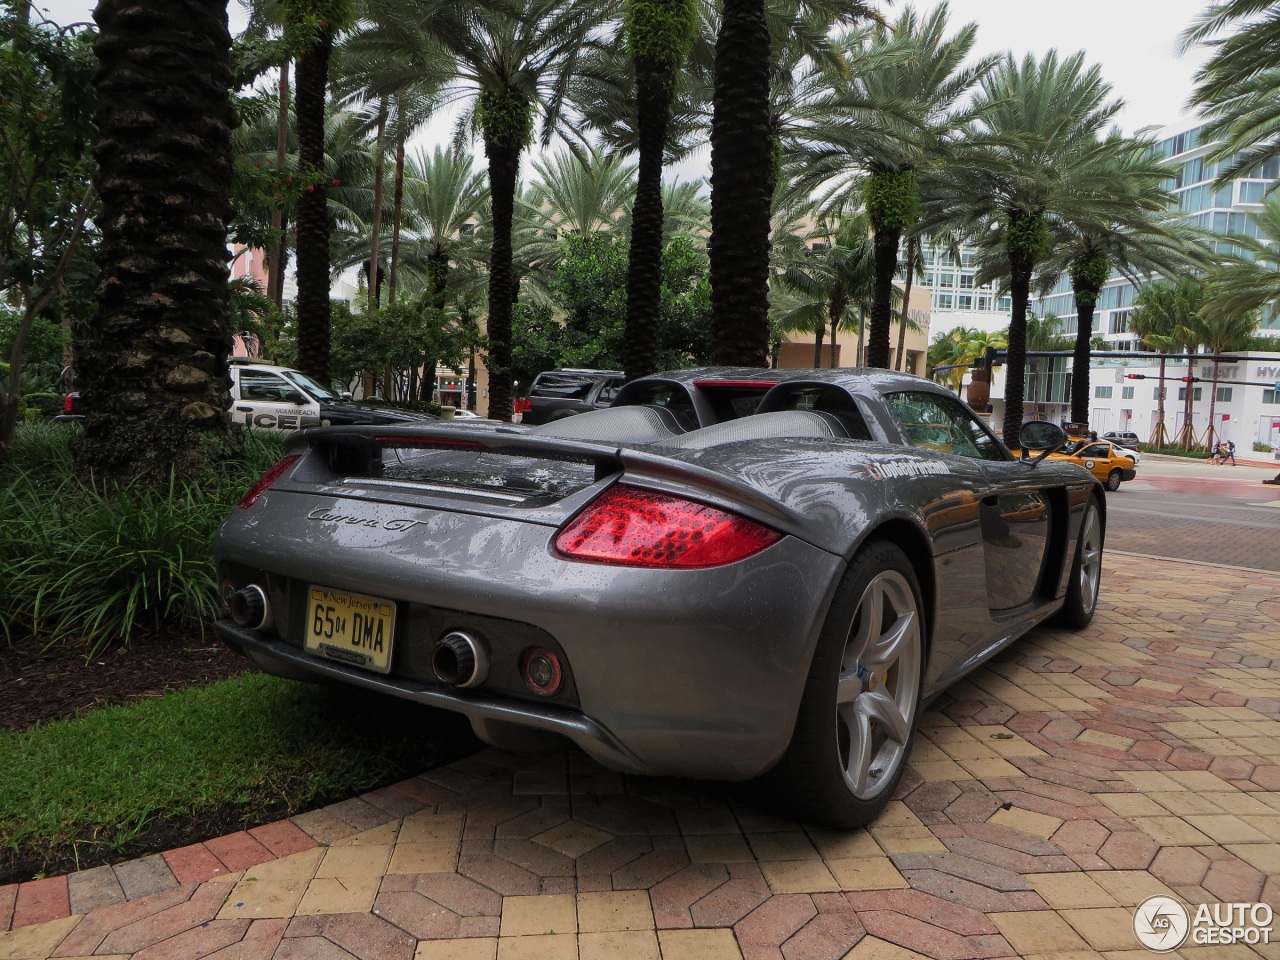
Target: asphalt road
x,y
1192,510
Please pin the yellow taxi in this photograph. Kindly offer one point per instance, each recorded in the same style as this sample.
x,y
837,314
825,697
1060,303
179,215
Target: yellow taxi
x,y
1102,458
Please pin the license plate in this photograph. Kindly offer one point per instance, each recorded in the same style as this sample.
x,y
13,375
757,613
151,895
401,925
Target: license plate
x,y
350,628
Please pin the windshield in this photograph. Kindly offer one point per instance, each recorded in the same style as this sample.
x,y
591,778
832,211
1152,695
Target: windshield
x,y
310,386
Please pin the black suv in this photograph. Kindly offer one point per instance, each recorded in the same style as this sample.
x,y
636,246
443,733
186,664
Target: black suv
x,y
1123,438
557,394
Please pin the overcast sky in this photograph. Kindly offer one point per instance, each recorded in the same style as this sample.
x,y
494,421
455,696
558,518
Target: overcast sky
x,y
1134,41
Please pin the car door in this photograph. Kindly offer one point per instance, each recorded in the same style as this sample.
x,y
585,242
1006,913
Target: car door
x,y
1013,510
1100,459
265,400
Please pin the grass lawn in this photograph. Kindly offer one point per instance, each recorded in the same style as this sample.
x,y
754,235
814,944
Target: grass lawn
x,y
197,762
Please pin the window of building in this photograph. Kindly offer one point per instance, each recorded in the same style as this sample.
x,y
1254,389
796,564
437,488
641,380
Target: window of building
x,y
1271,396
966,281
1182,393
1004,304
964,301
928,278
467,230
1102,393
1252,192
1224,394
944,301
1126,393
1155,393
1120,321
984,303
946,279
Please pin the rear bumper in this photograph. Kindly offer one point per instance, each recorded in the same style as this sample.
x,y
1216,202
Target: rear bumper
x,y
277,657
693,673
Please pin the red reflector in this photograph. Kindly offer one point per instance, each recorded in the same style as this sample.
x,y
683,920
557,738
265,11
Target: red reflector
x,y
428,442
640,528
268,478
66,404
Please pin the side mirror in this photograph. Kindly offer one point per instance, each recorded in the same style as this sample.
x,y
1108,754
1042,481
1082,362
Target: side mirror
x,y
1042,437
294,396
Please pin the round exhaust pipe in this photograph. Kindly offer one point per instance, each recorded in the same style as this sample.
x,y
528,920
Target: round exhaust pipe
x,y
250,608
460,660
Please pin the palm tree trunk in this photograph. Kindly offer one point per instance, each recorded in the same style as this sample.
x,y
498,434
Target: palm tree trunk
x,y
504,164
886,256
742,181
279,255
900,363
1080,356
1213,403
375,234
154,370
313,213
835,335
1188,428
819,332
397,213
644,267
1158,434
1015,366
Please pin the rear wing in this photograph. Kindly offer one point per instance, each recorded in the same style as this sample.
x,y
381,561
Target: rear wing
x,y
357,450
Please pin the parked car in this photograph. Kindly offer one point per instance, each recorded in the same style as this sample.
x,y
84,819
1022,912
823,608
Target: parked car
x,y
1109,463
1123,438
556,394
674,586
268,397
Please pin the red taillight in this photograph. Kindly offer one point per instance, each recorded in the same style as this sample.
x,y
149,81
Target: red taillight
x,y
639,528
268,478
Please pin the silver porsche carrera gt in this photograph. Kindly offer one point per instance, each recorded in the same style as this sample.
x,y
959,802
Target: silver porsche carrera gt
x,y
729,573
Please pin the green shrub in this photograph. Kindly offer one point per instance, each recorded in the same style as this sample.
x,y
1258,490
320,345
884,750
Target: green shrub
x,y
77,562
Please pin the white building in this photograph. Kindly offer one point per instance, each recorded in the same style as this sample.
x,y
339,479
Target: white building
x,y
1124,395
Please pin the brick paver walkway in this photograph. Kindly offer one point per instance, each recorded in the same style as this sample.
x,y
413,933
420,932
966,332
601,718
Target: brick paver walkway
x,y
1048,794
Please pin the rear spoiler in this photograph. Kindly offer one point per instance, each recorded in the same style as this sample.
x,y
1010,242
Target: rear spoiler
x,y
353,447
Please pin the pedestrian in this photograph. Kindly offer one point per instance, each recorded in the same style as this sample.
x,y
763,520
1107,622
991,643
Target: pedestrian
x,y
1231,452
1216,456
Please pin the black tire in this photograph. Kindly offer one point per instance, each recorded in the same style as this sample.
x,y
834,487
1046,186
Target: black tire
x,y
810,782
1086,572
1113,480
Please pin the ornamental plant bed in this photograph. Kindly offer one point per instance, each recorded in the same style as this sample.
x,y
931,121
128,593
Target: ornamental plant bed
x,y
174,740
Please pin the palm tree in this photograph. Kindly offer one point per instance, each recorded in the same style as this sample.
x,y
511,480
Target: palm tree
x,y
829,286
1237,87
1136,236
963,346
321,21
658,34
445,199
1032,161
511,58
744,154
1163,316
154,371
577,192
912,77
1218,333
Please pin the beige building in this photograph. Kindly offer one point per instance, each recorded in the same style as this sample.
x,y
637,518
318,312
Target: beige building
x,y
799,353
